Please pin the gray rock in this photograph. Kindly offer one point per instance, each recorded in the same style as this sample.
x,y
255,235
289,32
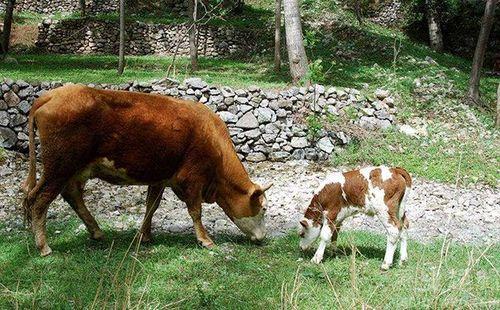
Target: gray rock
x,y
279,156
373,123
11,99
253,134
8,138
241,100
3,104
256,157
299,142
195,83
248,121
325,145
4,118
265,115
24,106
17,119
228,117
381,94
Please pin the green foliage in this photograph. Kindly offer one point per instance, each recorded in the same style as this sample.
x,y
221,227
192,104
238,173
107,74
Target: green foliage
x,y
174,272
314,125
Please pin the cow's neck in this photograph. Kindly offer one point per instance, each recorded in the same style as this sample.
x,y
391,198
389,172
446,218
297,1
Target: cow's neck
x,y
233,182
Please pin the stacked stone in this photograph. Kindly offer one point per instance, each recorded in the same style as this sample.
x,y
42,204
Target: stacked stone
x,y
66,6
264,125
388,14
87,36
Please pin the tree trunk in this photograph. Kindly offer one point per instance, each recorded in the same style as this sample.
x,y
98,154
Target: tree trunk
x,y
482,43
121,52
7,26
277,36
357,11
193,44
82,7
294,42
497,123
435,34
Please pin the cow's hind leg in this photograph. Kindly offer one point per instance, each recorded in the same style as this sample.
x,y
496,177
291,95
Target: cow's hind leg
x,y
153,200
73,194
40,198
403,255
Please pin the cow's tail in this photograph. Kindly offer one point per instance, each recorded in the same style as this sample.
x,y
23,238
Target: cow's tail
x,y
402,205
30,181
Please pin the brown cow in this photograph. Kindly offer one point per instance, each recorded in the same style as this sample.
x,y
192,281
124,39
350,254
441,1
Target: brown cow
x,y
142,139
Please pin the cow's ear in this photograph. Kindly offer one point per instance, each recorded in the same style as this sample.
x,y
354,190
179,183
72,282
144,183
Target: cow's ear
x,y
304,223
266,187
260,190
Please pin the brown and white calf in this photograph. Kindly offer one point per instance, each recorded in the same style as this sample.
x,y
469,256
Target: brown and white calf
x,y
375,191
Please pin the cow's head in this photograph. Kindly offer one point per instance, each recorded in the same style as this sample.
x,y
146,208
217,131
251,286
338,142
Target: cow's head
x,y
248,210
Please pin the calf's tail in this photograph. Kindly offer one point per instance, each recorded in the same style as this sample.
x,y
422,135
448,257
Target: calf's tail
x,y
402,205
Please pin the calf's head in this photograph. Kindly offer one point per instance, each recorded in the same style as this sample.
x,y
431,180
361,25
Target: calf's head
x,y
247,211
310,225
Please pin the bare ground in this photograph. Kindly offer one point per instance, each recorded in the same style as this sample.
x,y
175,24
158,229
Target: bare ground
x,y
468,215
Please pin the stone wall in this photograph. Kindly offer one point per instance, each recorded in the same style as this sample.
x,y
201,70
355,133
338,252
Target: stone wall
x,y
388,14
90,36
91,6
263,124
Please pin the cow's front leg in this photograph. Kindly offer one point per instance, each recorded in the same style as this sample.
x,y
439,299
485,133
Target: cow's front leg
x,y
155,193
201,233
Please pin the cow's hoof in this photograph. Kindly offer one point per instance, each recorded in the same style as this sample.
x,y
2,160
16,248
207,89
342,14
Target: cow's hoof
x,y
45,251
385,267
207,244
97,235
402,262
316,259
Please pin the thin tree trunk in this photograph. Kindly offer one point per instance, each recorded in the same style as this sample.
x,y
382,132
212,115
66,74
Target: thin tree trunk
x,y
294,42
435,34
7,26
193,44
497,123
482,43
82,7
121,52
357,11
277,36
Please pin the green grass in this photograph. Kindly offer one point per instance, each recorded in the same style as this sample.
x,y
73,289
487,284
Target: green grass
x,y
102,69
174,272
468,160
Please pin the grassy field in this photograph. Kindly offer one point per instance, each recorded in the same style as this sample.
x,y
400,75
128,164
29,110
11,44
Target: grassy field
x,y
174,272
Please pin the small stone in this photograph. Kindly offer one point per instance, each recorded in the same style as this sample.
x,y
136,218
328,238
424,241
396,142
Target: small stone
x,y
325,145
11,99
228,117
299,142
381,94
265,115
8,138
256,157
195,83
279,156
247,121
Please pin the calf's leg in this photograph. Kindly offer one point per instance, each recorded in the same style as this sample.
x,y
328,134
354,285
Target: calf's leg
x,y
392,232
153,200
325,237
73,194
403,257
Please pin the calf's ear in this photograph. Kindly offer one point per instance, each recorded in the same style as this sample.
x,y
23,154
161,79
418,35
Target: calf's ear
x,y
304,223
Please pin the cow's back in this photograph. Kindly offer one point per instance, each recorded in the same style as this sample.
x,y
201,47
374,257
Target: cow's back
x,y
149,136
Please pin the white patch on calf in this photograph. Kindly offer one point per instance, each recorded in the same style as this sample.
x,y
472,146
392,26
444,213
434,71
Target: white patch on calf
x,y
345,212
386,174
332,178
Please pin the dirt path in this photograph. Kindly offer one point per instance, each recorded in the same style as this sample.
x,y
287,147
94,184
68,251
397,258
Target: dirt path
x,y
470,215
